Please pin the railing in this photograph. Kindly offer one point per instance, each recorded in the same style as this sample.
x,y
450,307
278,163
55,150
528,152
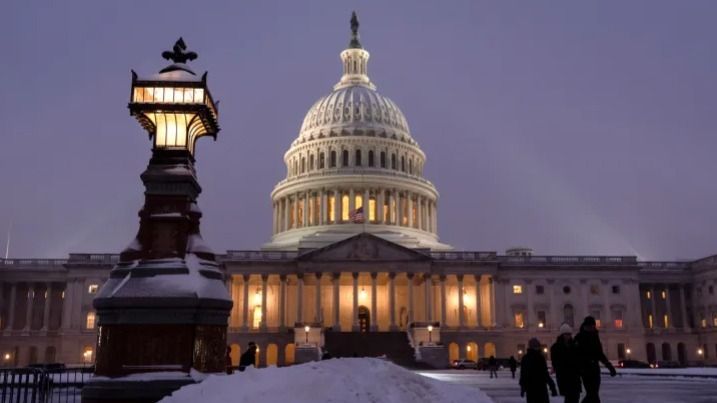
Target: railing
x,y
10,263
259,255
463,256
93,258
664,266
368,171
37,385
569,260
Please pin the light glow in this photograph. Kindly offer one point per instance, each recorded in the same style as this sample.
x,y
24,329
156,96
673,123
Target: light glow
x,y
6,356
362,294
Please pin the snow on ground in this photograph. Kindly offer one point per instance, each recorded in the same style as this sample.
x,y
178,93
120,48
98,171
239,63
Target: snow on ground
x,y
341,380
694,371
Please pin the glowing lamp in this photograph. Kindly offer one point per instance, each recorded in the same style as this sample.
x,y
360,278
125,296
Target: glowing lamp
x,y
306,331
174,106
430,330
628,351
362,294
700,351
257,297
7,356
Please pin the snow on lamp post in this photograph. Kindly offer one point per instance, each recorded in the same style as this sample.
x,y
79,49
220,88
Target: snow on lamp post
x,y
165,305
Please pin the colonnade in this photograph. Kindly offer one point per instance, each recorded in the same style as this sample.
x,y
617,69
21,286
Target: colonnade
x,y
425,298
333,206
661,315
11,314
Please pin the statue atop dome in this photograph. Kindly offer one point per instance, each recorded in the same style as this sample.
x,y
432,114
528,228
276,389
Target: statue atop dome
x,y
354,44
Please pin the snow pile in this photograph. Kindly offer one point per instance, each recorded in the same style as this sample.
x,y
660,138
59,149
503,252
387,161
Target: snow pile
x,y
344,380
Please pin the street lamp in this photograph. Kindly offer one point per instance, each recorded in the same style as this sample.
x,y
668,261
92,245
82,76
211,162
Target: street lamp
x,y
306,330
174,106
430,329
700,352
628,351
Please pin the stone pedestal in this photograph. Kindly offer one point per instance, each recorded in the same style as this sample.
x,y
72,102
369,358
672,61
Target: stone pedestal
x,y
165,308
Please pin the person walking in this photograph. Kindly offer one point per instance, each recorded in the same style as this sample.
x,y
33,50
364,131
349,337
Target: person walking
x,y
513,365
249,357
493,367
564,356
590,355
534,377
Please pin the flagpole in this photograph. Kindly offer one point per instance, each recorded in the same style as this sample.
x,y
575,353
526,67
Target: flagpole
x,y
7,242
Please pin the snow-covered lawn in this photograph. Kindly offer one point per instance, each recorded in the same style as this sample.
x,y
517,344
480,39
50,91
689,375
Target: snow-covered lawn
x,y
344,380
696,371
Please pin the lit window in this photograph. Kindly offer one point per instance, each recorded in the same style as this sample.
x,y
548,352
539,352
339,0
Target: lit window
x,y
372,209
257,318
519,320
345,208
92,289
649,321
617,319
87,355
648,295
517,289
618,323
666,321
703,322
332,209
663,294
90,320
714,319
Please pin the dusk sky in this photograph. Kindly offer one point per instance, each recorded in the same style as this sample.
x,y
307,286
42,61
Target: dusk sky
x,y
572,127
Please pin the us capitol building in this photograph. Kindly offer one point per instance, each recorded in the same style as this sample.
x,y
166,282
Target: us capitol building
x,y
355,267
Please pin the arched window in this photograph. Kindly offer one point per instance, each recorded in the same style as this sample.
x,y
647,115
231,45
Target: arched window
x,y
403,164
322,161
332,159
383,159
393,161
303,164
370,158
90,324
311,162
345,158
296,167
410,166
357,162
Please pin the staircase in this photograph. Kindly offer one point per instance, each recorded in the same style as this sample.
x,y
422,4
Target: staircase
x,y
394,345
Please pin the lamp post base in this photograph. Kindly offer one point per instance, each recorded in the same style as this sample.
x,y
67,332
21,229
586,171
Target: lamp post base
x,y
132,389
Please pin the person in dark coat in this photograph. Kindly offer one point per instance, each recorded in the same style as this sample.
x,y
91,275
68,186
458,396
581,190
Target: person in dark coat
x,y
248,358
493,366
590,355
513,365
534,377
566,365
230,370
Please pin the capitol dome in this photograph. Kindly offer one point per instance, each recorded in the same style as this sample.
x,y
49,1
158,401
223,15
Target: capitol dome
x,y
354,168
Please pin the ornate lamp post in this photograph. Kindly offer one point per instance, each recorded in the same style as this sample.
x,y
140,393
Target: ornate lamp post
x,y
307,328
165,305
430,330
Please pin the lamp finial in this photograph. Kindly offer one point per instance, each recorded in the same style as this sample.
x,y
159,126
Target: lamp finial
x,y
179,53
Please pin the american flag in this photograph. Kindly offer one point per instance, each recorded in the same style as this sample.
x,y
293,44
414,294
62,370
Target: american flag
x,y
356,216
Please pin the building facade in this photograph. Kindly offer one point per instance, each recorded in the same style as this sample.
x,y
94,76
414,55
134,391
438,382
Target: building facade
x,y
355,251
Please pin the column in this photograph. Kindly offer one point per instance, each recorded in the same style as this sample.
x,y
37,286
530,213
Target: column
x,y
392,300
300,298
305,212
419,212
352,201
366,208
683,306
479,322
429,218
653,306
428,291
393,206
409,204
354,307
28,307
374,298
435,217
287,212
461,307
410,298
338,206
491,288
530,308
46,307
11,306
264,287
379,206
668,306
318,316
324,207
337,302
282,302
444,322
245,314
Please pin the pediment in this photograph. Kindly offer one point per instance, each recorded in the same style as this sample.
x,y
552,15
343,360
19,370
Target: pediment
x,y
364,247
